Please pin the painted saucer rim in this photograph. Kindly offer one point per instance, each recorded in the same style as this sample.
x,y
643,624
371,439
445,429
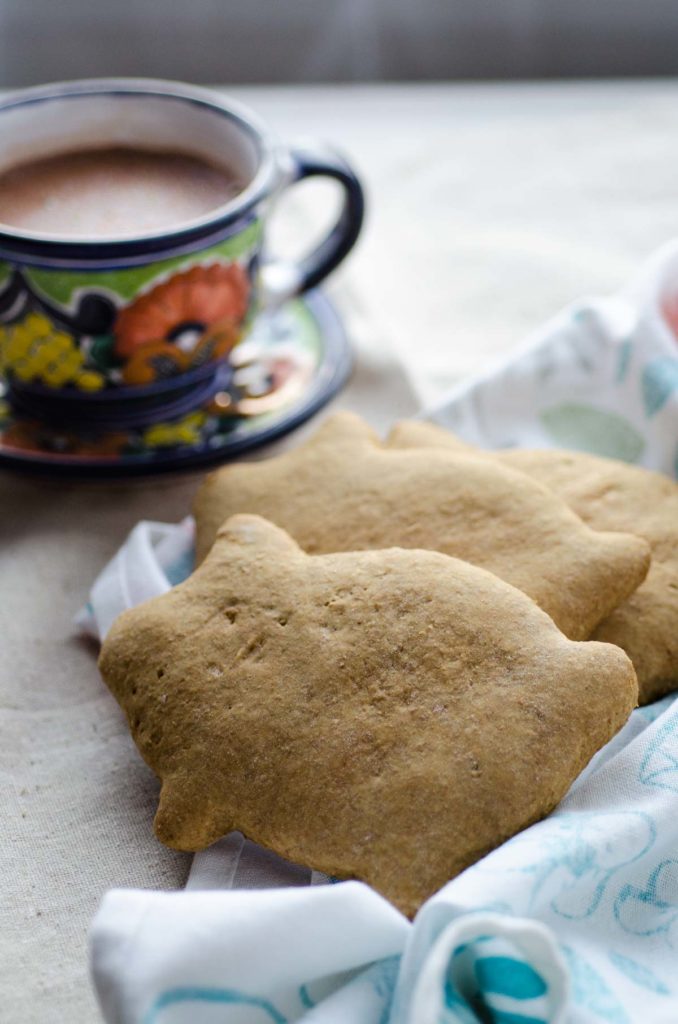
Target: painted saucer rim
x,y
329,378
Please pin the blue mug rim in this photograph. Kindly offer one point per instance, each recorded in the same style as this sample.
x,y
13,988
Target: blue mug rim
x,y
32,248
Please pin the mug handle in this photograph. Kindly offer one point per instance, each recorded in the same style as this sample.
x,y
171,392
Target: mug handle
x,y
281,281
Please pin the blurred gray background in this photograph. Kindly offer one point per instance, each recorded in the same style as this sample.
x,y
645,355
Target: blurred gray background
x,y
335,40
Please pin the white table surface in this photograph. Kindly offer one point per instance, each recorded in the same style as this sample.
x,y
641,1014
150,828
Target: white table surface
x,y
490,207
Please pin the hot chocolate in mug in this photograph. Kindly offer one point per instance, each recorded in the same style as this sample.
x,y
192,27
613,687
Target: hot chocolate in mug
x,y
123,331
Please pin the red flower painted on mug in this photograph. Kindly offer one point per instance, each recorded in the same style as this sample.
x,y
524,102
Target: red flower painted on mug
x,y
182,310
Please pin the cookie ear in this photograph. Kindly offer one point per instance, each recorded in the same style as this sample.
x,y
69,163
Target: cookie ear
x,y
344,427
416,434
255,532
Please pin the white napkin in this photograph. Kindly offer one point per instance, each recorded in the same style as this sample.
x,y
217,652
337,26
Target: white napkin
x,y
576,918
602,376
587,899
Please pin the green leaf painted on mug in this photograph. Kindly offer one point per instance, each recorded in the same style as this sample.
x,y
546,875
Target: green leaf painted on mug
x,y
579,426
59,285
659,381
5,271
101,352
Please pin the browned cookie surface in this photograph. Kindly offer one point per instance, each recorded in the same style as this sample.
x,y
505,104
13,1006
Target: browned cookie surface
x,y
385,715
608,495
346,491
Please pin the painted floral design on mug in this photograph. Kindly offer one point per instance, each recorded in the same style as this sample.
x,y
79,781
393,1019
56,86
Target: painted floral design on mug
x,y
33,349
192,318
128,327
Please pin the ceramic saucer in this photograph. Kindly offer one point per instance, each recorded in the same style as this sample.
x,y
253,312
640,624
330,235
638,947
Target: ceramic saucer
x,y
291,364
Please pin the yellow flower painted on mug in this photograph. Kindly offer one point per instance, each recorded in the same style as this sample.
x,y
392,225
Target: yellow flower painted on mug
x,y
89,380
170,435
34,350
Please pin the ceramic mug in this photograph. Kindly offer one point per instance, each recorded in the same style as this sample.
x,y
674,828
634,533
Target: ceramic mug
x,y
123,332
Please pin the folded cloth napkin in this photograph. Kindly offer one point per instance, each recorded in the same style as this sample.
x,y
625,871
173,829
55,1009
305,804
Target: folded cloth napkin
x,y
574,920
602,377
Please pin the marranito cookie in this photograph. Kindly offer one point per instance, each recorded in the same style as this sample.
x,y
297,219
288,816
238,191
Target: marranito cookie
x,y
384,715
608,495
346,491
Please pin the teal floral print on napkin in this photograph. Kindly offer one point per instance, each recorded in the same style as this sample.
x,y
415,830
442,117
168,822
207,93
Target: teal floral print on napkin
x,y
590,991
659,381
585,428
638,974
490,980
624,360
261,1011
579,859
653,909
659,766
